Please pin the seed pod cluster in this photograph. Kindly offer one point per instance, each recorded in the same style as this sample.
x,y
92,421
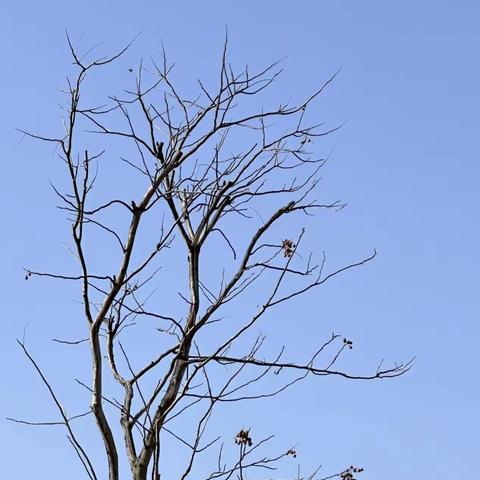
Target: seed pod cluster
x,y
243,438
288,248
348,474
292,452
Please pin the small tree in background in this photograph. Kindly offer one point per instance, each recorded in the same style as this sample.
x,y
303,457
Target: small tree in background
x,y
201,169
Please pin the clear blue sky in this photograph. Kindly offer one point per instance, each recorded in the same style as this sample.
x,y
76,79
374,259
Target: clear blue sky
x,y
406,162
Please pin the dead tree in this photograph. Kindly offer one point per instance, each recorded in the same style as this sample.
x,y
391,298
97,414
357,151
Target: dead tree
x,y
208,165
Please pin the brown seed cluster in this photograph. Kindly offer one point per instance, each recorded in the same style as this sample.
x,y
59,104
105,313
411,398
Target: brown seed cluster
x,y
348,343
288,248
292,452
243,438
348,474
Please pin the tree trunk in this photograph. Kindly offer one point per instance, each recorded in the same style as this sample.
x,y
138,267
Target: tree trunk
x,y
139,472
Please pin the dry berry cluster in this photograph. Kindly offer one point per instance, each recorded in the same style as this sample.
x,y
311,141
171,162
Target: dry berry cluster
x,y
288,248
292,452
348,343
243,438
348,473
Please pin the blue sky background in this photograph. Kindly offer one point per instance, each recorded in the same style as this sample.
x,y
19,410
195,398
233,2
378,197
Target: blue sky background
x,y
406,162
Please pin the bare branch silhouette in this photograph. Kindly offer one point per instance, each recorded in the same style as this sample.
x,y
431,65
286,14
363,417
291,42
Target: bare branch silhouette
x,y
209,164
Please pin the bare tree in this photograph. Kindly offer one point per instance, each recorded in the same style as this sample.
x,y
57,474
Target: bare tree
x,y
219,175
